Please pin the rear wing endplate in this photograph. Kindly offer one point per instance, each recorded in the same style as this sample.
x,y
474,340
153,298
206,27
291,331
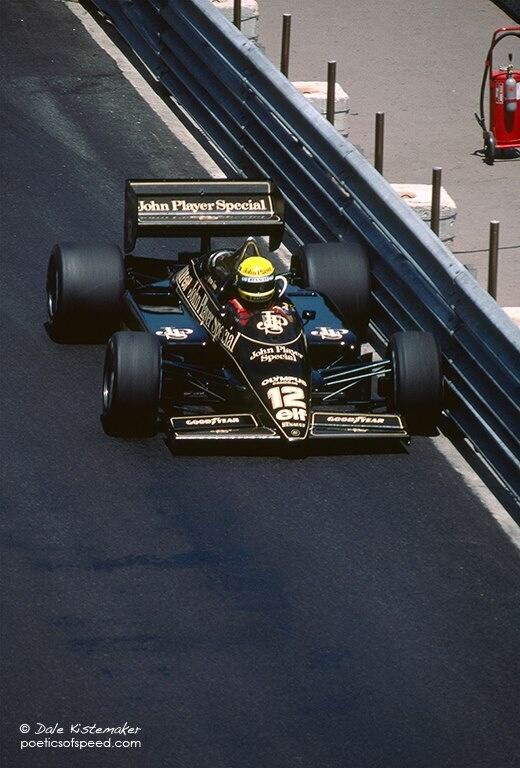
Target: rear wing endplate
x,y
202,208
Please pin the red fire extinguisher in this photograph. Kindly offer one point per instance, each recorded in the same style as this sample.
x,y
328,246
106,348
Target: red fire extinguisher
x,y
504,101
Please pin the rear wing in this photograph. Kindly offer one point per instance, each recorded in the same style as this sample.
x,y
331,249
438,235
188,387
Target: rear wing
x,y
202,208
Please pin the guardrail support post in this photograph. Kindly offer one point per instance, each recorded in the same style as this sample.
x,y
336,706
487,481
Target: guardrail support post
x,y
493,258
379,142
286,44
331,91
436,200
237,13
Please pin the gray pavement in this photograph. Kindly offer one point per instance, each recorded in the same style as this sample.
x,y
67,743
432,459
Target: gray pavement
x,y
423,68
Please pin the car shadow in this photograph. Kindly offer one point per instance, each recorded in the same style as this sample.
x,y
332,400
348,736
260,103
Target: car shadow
x,y
276,449
89,338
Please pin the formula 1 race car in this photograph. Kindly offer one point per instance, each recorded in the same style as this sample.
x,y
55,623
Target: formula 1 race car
x,y
198,362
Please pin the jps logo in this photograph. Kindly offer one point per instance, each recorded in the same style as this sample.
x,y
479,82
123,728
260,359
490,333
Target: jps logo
x,y
179,334
333,334
272,323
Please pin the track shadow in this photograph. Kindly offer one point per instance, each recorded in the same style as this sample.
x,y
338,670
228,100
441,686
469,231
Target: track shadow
x,y
275,449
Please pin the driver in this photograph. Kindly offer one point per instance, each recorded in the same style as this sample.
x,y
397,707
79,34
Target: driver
x,y
256,282
248,279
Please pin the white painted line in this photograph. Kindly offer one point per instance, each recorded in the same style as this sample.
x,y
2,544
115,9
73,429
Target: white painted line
x,y
479,488
442,444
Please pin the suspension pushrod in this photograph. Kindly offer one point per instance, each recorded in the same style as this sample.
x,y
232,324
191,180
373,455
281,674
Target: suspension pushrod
x,y
207,391
366,367
355,379
338,392
192,370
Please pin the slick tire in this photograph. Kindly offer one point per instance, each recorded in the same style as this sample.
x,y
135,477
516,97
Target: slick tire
x,y
131,384
85,285
341,272
416,391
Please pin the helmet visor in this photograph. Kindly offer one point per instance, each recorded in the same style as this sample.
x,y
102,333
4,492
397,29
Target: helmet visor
x,y
256,288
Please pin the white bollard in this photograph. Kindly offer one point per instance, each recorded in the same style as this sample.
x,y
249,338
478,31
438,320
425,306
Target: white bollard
x,y
249,16
315,91
419,198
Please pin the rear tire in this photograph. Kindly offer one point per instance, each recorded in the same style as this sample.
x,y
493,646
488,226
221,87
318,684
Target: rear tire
x,y
417,379
341,272
132,384
489,147
85,285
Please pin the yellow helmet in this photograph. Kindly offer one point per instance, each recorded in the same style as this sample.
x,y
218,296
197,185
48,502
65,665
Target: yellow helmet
x,y
256,279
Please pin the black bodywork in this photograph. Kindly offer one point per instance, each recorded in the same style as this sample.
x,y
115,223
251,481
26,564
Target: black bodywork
x,y
292,370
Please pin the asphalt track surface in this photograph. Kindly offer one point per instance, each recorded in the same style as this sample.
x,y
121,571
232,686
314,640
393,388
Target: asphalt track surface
x,y
358,609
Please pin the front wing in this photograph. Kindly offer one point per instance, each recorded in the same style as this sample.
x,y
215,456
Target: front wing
x,y
324,424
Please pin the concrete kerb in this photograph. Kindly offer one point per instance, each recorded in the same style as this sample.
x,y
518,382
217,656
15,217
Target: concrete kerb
x,y
419,198
513,313
315,91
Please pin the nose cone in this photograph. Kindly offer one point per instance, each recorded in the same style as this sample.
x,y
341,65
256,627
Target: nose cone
x,y
287,400
296,433
274,359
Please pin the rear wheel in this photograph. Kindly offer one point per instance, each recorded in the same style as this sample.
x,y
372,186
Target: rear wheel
x,y
341,272
417,379
132,384
489,147
85,285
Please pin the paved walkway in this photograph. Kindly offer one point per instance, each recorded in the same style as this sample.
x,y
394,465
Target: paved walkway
x,y
423,69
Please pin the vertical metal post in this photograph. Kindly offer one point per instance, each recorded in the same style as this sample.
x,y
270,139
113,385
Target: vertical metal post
x,y
379,142
237,13
436,200
493,258
286,43
331,91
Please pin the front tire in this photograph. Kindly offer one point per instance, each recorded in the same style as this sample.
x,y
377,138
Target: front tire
x,y
341,272
132,384
417,379
85,285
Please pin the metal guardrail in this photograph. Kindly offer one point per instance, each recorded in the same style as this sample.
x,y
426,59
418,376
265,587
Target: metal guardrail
x,y
258,123
511,7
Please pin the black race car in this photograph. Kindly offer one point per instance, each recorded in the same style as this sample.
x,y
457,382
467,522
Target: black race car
x,y
190,363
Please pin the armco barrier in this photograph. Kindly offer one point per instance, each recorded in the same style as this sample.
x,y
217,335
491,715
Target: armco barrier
x,y
512,7
258,124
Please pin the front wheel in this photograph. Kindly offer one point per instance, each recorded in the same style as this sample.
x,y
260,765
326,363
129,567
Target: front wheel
x,y
416,379
132,384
